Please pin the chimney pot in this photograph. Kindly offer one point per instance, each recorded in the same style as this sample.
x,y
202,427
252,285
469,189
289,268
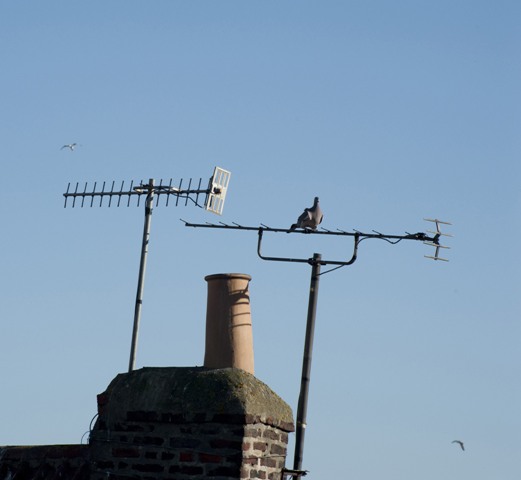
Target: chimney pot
x,y
229,336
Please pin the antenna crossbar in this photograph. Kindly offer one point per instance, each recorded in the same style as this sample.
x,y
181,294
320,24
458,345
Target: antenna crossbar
x,y
138,191
355,233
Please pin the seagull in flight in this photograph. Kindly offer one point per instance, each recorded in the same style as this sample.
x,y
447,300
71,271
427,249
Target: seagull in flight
x,y
310,217
460,443
70,146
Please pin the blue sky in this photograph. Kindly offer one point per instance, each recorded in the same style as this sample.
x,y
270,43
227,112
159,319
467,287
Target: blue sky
x,y
388,111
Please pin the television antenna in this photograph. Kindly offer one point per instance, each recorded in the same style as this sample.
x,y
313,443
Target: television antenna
x,y
214,197
316,262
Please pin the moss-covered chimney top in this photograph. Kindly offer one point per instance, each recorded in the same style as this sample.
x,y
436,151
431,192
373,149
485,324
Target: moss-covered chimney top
x,y
191,393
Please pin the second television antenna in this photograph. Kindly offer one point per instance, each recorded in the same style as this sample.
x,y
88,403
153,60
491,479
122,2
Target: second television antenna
x,y
316,262
214,196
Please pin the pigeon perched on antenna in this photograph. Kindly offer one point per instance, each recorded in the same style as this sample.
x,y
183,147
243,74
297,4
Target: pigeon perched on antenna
x,y
310,217
460,443
70,146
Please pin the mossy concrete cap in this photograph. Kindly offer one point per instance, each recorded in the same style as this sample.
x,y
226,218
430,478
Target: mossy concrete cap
x,y
194,392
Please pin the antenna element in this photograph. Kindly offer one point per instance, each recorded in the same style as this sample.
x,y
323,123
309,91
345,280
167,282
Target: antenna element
x,y
435,241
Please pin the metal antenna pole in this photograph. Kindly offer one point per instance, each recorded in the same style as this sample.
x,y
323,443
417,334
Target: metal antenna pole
x,y
306,363
142,268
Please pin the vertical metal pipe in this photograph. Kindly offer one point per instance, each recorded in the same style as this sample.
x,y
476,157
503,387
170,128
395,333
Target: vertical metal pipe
x,y
142,267
306,363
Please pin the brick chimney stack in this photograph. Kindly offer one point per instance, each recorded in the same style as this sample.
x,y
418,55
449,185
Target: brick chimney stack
x,y
189,423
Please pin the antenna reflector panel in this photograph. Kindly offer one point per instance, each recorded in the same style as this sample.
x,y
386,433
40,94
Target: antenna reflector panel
x,y
217,190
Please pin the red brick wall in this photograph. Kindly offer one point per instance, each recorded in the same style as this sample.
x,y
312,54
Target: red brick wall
x,y
234,447
45,462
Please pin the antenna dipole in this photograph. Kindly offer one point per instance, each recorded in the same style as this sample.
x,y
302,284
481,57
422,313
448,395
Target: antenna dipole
x,y
215,195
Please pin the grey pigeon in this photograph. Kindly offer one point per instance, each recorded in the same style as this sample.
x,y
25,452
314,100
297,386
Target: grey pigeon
x,y
460,443
310,218
70,146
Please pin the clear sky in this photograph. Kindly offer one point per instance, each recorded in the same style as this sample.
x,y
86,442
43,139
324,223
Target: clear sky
x,y
388,111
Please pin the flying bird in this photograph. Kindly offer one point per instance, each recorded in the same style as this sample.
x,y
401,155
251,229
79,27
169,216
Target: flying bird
x,y
460,443
70,146
310,217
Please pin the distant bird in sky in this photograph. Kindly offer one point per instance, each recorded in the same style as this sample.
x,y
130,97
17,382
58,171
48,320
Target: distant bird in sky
x,y
460,443
70,146
310,218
